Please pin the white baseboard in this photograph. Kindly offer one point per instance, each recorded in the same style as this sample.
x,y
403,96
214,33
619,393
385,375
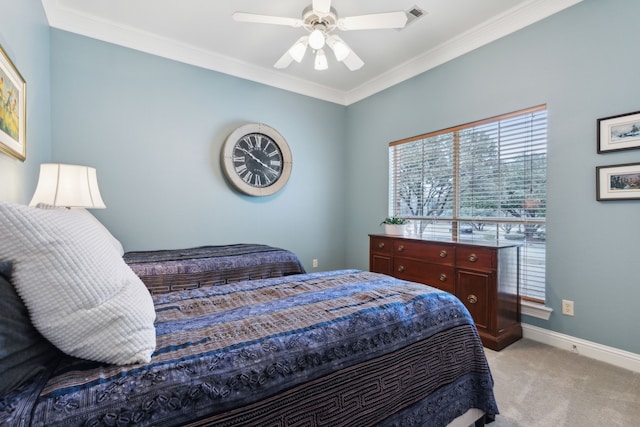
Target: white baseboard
x,y
603,353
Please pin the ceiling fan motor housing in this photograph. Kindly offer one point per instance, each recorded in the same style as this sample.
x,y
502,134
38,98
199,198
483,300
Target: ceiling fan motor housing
x,y
313,21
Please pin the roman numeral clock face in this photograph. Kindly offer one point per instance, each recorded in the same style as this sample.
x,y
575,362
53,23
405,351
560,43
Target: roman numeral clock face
x,y
256,159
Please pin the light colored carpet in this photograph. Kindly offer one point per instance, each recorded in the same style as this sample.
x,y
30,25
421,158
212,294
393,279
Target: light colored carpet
x,y
539,385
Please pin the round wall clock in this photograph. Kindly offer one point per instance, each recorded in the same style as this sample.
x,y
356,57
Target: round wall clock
x,y
257,159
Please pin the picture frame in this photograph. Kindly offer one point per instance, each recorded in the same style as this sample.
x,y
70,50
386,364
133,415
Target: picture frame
x,y
621,132
13,109
618,182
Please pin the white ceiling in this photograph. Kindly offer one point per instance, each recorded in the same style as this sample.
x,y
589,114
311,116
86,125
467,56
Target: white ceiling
x,y
203,33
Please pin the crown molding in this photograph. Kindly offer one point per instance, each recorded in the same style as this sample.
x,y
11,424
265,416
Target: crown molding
x,y
90,26
502,25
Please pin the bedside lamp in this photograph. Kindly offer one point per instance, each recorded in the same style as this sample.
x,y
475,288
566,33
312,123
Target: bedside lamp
x,y
69,186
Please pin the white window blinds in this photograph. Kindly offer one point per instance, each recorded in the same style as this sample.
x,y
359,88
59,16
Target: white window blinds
x,y
481,181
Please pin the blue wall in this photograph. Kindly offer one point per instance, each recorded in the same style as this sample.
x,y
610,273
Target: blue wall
x,y
24,35
583,64
154,128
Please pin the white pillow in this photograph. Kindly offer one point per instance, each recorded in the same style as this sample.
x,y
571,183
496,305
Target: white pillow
x,y
82,211
79,292
99,227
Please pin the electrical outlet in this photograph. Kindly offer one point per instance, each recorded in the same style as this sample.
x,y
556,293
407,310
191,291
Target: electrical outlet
x,y
315,263
567,307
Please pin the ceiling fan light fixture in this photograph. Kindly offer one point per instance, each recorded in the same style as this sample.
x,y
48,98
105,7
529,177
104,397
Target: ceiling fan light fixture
x,y
320,19
316,39
321,60
298,50
339,47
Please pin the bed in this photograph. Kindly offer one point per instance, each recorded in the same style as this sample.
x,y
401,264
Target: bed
x,y
177,269
337,348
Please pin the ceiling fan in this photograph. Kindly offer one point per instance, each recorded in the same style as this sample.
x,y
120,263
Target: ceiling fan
x,y
320,19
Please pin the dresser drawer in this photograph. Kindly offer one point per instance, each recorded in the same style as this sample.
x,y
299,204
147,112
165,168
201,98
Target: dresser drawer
x,y
475,258
474,290
429,252
381,245
436,275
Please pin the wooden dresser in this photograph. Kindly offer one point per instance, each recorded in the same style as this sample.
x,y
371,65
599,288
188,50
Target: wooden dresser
x,y
483,277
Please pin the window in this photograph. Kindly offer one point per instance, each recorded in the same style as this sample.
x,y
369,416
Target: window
x,y
480,182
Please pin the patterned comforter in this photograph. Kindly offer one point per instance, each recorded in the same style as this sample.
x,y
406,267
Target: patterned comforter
x,y
176,269
333,348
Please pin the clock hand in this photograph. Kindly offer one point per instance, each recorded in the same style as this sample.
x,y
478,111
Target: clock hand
x,y
252,156
258,160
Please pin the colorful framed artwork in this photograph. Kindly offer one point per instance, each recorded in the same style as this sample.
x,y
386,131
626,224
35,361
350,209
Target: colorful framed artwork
x,y
13,109
618,182
620,132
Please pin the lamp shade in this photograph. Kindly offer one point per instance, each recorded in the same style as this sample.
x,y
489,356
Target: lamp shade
x,y
316,39
321,60
299,48
340,48
67,186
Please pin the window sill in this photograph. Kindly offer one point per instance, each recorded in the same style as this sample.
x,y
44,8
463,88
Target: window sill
x,y
537,310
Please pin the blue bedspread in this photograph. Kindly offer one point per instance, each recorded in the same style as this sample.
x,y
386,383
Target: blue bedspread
x,y
334,348
177,269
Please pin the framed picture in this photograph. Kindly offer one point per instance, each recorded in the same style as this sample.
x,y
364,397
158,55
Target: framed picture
x,y
620,132
13,109
618,182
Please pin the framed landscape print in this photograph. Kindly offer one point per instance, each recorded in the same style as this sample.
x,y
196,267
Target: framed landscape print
x,y
13,110
618,182
620,132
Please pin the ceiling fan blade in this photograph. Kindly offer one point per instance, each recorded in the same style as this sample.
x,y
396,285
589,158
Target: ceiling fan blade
x,y
266,19
321,7
284,61
374,21
353,61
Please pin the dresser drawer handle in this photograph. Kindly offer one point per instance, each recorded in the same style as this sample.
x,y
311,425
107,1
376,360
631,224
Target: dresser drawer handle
x,y
381,245
400,248
472,299
443,254
472,257
443,277
401,269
